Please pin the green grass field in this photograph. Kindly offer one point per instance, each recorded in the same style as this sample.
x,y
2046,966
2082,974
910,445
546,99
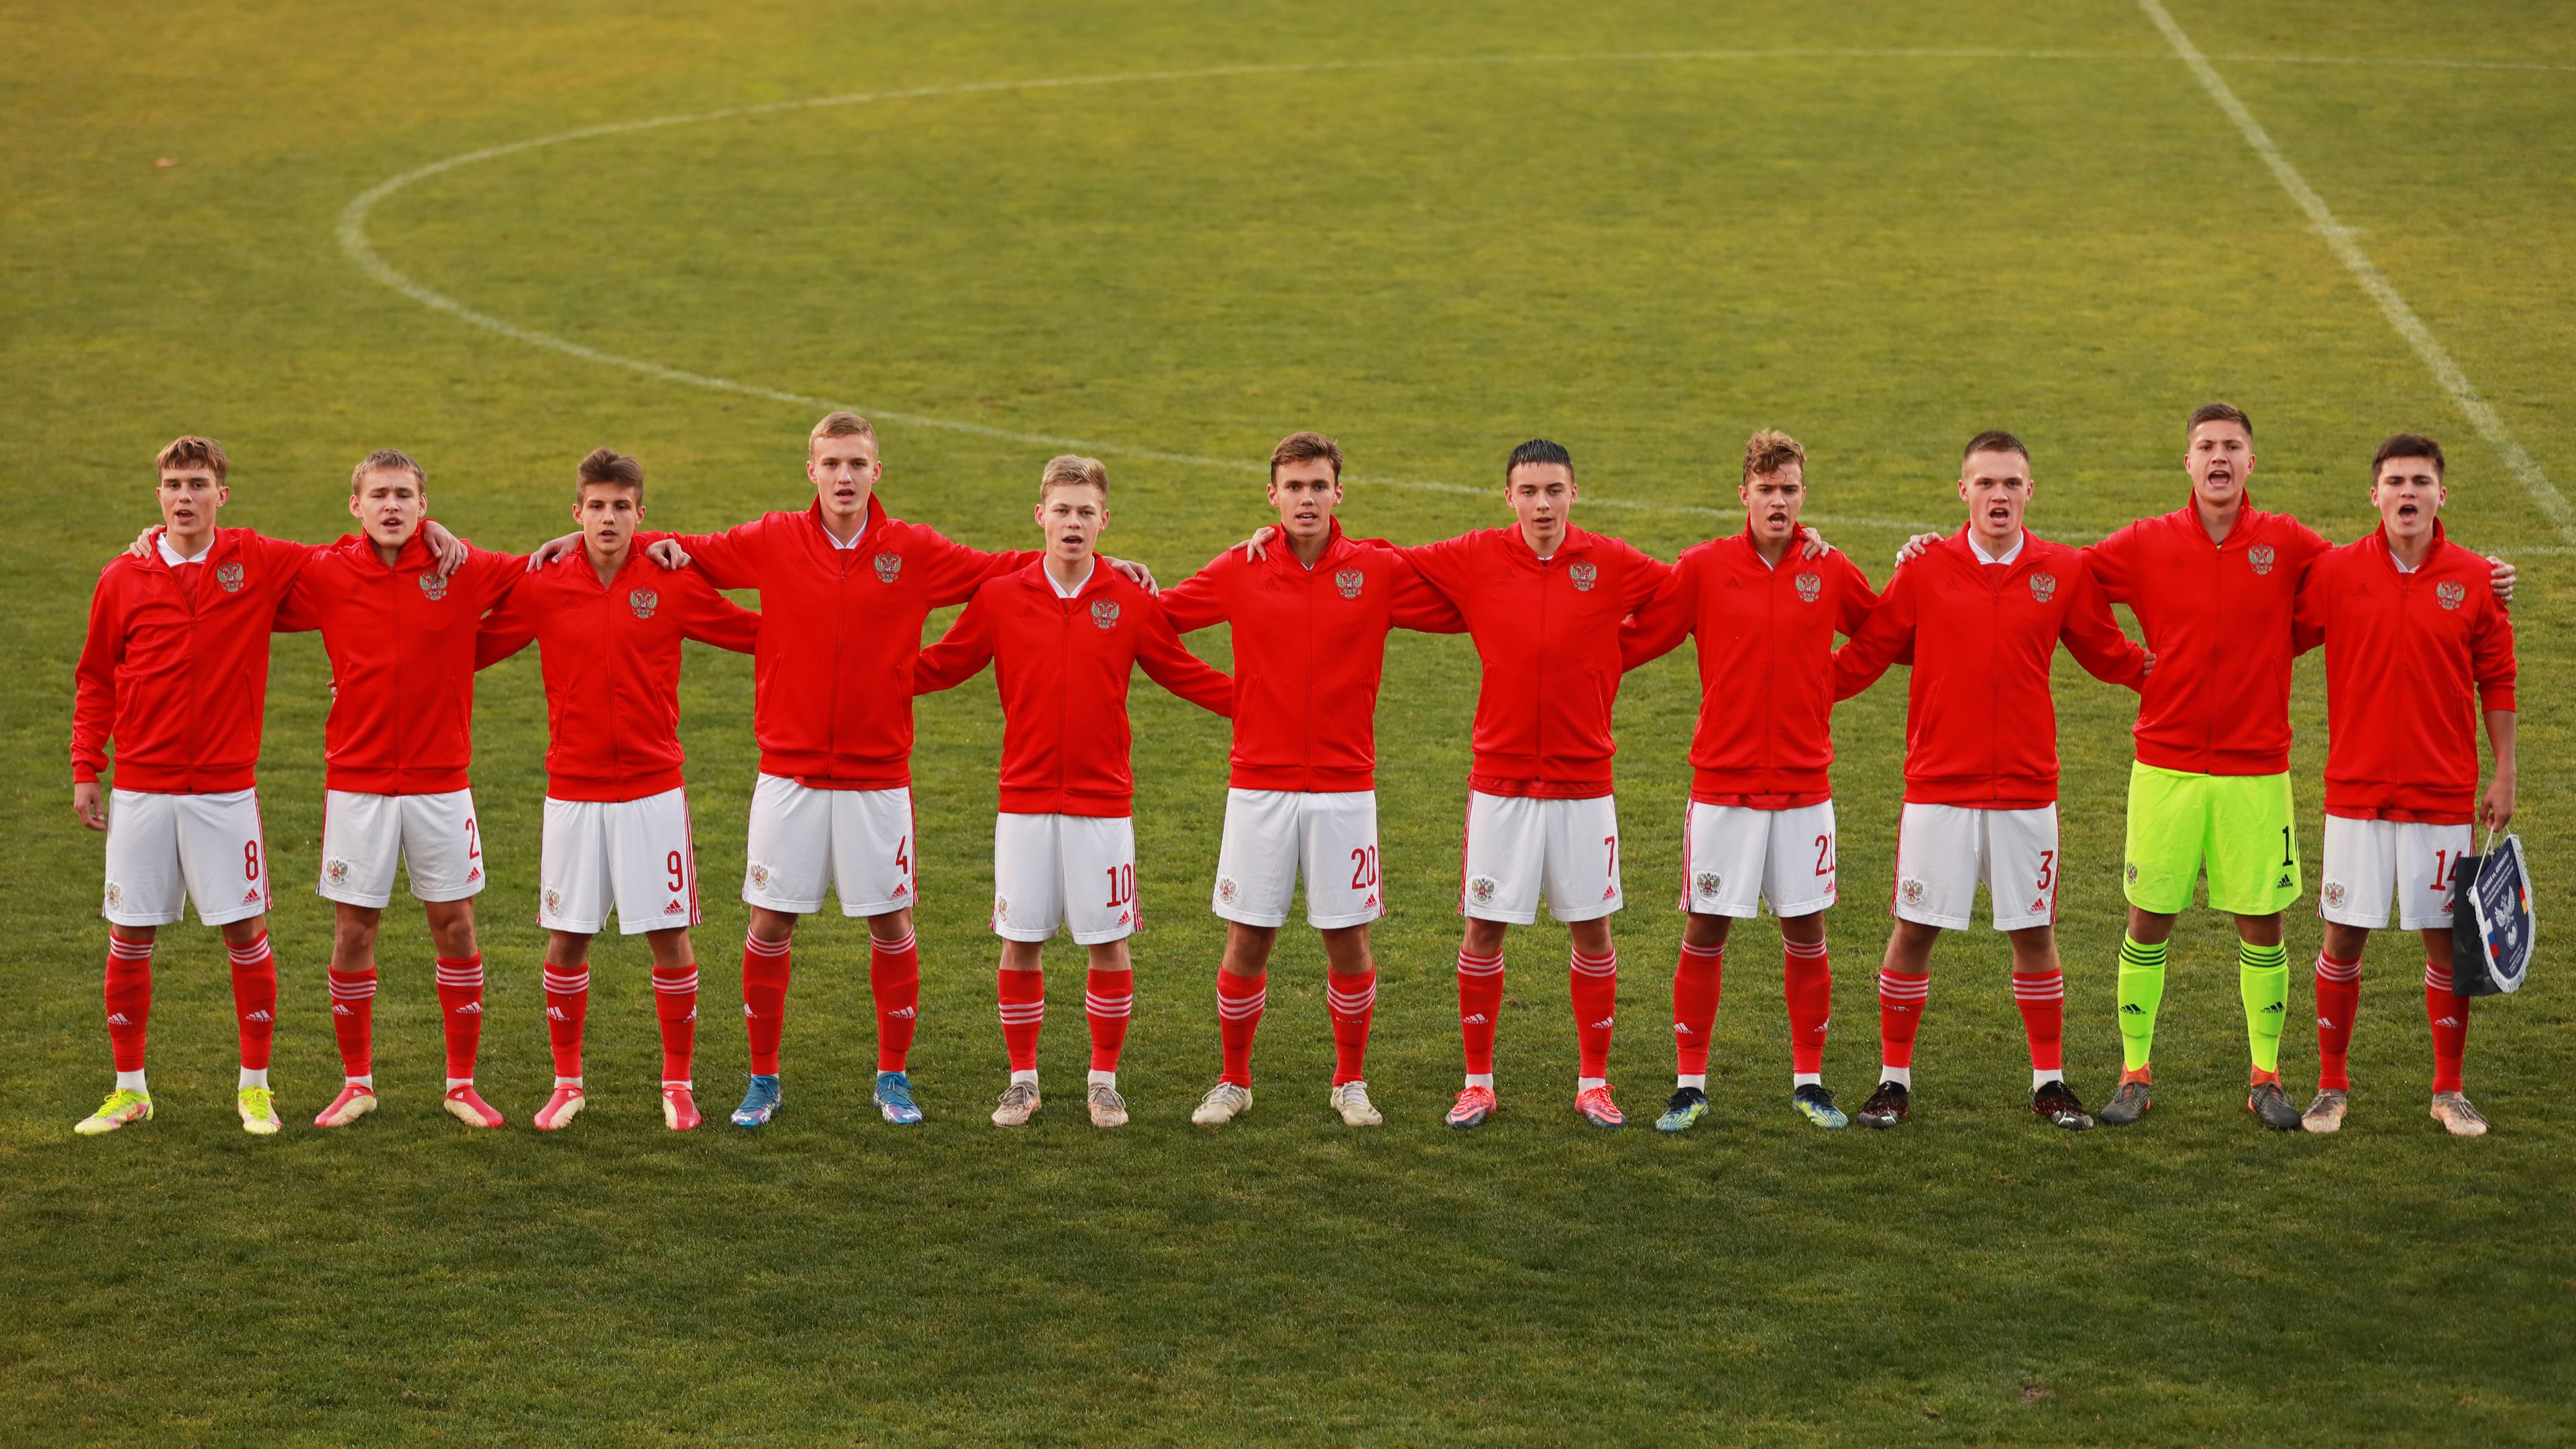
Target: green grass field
x,y
1644,229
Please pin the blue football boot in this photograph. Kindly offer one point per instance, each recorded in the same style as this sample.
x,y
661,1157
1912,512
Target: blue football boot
x,y
894,1099
760,1103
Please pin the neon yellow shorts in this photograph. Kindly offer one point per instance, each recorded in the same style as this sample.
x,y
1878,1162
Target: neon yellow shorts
x,y
2240,828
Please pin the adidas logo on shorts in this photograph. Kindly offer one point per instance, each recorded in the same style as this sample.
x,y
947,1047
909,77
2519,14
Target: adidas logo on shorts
x,y
251,896
674,909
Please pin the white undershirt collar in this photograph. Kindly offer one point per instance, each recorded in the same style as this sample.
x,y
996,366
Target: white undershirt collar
x,y
1061,591
174,558
2009,554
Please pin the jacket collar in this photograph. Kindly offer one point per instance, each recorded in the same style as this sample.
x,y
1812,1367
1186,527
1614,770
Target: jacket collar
x,y
1336,548
413,557
2432,555
1576,542
823,536
1959,544
2249,519
1034,575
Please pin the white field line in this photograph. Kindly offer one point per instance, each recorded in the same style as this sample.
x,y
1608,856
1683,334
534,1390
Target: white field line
x,y
355,244
2553,504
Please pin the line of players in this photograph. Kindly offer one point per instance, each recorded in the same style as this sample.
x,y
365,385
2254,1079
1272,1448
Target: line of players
x,y
2415,631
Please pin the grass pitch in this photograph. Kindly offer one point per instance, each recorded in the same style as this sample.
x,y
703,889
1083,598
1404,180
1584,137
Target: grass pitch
x,y
1642,229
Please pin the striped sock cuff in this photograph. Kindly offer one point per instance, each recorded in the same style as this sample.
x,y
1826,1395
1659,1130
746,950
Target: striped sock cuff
x,y
1099,1005
461,974
1237,1008
2262,958
125,950
2435,978
568,983
1595,965
677,985
2329,969
1904,988
1350,1003
2046,986
1705,953
1480,965
759,947
252,954
890,948
2134,952
1021,1013
351,985
1803,950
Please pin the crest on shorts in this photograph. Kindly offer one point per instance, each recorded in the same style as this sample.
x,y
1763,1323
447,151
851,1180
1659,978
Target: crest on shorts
x,y
2043,587
643,602
554,901
2133,872
889,567
1226,889
1584,576
2260,556
335,872
2450,593
115,893
230,576
1910,892
1104,613
2333,894
1001,910
1480,889
1349,582
758,876
1809,586
1706,883
432,587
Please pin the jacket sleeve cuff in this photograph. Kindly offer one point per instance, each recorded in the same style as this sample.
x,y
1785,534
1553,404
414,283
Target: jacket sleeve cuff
x,y
2493,697
85,773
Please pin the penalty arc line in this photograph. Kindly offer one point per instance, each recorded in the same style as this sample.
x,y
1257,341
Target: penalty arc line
x,y
2464,395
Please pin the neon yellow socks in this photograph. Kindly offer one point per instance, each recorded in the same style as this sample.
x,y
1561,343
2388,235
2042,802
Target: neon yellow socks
x,y
2263,977
2142,990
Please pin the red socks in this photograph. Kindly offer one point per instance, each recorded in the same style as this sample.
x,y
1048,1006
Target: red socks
x,y
255,1000
1023,998
1697,979
2448,1011
1239,1000
1594,985
460,1012
894,979
1108,996
1480,1001
764,1000
1351,1000
1900,1015
567,1002
1808,981
2042,998
129,999
2338,1002
353,1017
675,1007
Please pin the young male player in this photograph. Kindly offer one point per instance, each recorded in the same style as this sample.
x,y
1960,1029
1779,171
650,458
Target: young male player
x,y
1759,824
174,674
399,627
844,591
1062,635
608,622
2417,647
1310,621
1982,614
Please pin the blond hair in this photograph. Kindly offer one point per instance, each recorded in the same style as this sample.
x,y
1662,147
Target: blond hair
x,y
1769,451
387,460
842,424
189,450
1071,470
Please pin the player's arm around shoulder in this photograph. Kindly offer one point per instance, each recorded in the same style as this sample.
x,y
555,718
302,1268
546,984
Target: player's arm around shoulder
x,y
1668,615
1169,662
1206,598
2093,635
1854,598
710,618
1885,635
964,650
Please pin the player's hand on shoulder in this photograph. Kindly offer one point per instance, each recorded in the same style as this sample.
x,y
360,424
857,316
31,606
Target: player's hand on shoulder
x,y
1134,572
1257,547
1816,545
89,803
143,542
450,549
666,552
552,549
2502,578
1914,547
2149,671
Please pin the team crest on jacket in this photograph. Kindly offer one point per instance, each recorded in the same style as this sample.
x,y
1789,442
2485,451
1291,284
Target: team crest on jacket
x,y
1706,883
1349,582
2260,556
643,602
1104,613
432,587
230,576
1910,892
1809,586
889,567
2450,594
2043,587
1585,576
1480,889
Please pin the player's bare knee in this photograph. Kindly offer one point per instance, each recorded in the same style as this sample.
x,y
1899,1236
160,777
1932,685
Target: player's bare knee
x,y
1346,950
2257,930
769,925
567,948
1806,930
1592,938
2148,928
451,928
671,949
891,927
242,933
2345,943
1482,937
1708,932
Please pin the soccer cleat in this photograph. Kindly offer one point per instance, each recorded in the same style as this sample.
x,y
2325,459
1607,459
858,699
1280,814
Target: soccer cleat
x,y
2272,1107
680,1109
1473,1106
258,1108
560,1109
353,1103
1224,1102
466,1105
1817,1105
1351,1099
1020,1102
1108,1109
2129,1103
2457,1117
1688,1105
2055,1101
2325,1114
1890,1104
1596,1107
120,1108
894,1099
759,1103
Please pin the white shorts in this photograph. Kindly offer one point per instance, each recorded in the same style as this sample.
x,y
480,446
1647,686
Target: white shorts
x,y
635,855
1518,848
858,842
364,836
1075,871
1271,835
2368,861
166,850
1942,851
1733,853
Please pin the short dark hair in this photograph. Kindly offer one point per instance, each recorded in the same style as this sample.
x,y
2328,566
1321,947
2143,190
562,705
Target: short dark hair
x,y
1994,440
1539,450
1306,448
609,467
2407,445
2217,412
